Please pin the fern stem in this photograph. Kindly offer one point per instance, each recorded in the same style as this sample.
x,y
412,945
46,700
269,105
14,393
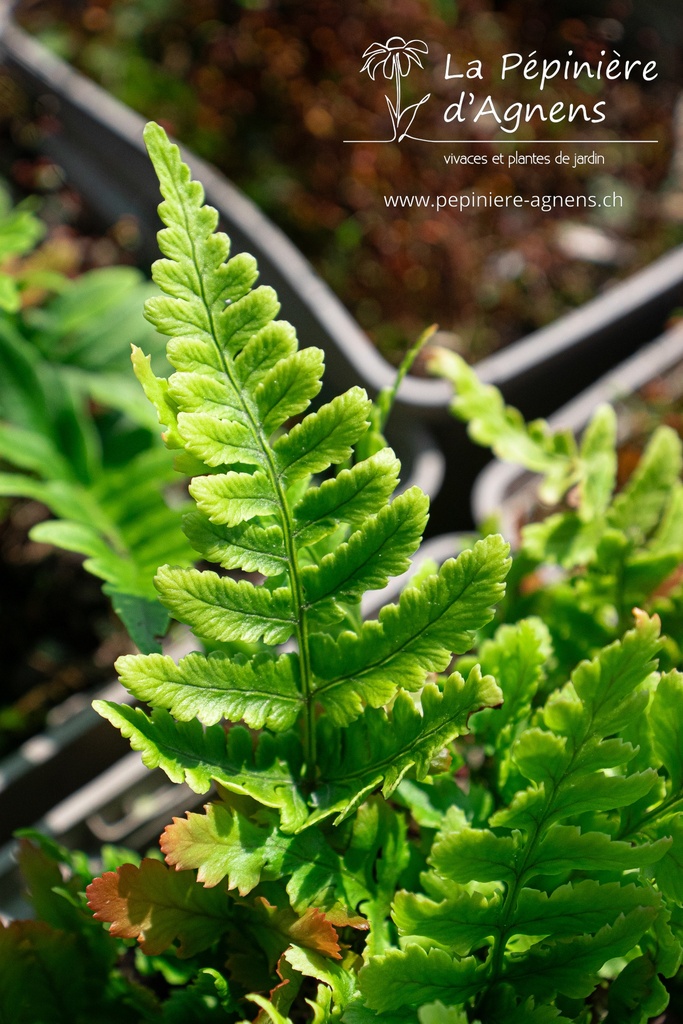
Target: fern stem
x,y
501,939
302,629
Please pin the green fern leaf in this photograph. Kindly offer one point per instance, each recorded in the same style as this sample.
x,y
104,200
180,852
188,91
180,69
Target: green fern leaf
x,y
263,691
374,553
415,636
218,608
415,977
219,442
324,438
570,966
313,965
638,508
582,906
377,747
248,547
351,496
565,848
289,387
64,987
188,754
232,498
456,925
269,347
475,854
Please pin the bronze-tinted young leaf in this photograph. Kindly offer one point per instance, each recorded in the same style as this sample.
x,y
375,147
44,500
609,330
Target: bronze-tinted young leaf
x,y
160,907
312,929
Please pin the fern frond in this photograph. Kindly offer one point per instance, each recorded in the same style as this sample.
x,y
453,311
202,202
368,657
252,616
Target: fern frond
x,y
638,508
117,518
502,428
55,358
578,761
237,406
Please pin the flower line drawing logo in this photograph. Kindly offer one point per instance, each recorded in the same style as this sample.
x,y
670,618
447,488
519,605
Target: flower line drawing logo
x,y
395,58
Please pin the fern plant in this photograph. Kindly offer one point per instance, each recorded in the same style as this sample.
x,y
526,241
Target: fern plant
x,y
333,707
554,884
574,880
611,549
391,835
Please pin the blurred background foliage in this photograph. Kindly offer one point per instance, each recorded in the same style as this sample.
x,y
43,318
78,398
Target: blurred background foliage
x,y
269,89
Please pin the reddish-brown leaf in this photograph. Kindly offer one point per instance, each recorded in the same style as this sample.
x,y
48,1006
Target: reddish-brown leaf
x,y
159,906
314,931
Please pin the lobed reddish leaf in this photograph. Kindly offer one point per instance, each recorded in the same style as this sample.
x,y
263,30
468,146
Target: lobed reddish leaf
x,y
159,906
316,932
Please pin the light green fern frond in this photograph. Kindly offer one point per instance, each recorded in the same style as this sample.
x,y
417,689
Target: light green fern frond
x,y
517,890
270,501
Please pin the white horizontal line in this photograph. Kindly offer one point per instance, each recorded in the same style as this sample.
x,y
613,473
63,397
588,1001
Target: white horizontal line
x,y
519,142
